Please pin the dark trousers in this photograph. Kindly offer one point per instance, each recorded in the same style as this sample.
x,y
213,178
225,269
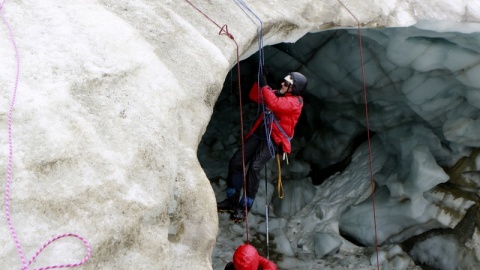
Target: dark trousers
x,y
257,154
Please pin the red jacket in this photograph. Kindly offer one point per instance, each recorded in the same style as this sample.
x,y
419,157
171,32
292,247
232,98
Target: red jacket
x,y
246,258
286,109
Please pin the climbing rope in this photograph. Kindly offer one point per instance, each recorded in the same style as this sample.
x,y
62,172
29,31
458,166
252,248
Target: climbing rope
x,y
268,118
224,31
261,62
25,265
280,191
372,181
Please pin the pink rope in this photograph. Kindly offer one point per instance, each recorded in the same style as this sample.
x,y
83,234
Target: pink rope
x,y
25,265
63,265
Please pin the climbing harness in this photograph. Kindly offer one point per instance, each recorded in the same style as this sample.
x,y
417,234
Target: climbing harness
x,y
372,181
25,265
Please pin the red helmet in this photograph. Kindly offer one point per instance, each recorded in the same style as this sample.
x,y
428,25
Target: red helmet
x,y
246,258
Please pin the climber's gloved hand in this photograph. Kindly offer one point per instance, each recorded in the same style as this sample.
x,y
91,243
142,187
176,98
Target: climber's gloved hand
x,y
263,76
263,80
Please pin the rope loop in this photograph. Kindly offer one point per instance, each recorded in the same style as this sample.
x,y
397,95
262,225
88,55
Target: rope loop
x,y
224,31
70,265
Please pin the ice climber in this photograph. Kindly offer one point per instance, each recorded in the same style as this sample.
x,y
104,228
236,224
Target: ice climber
x,y
270,134
246,258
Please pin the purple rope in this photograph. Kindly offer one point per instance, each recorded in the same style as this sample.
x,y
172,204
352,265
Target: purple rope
x,y
70,265
10,156
25,265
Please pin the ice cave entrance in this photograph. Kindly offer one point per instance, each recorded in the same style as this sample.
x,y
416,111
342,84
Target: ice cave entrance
x,y
422,87
420,83
413,77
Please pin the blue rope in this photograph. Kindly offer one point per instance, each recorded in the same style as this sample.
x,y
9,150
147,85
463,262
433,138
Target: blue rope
x,y
268,118
268,115
259,33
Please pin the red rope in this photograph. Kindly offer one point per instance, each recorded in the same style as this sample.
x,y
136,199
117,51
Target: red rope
x,y
372,181
224,31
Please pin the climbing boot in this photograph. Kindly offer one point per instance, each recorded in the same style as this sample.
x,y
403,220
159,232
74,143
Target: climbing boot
x,y
226,206
239,215
230,203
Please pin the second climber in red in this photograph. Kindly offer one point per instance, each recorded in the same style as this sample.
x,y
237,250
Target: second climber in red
x,y
246,257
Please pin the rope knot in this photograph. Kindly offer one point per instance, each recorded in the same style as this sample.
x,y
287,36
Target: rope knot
x,y
224,31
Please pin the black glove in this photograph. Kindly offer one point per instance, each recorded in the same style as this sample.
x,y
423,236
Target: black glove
x,y
263,80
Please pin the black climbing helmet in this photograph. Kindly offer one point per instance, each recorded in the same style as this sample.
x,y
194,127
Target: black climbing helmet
x,y
299,83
